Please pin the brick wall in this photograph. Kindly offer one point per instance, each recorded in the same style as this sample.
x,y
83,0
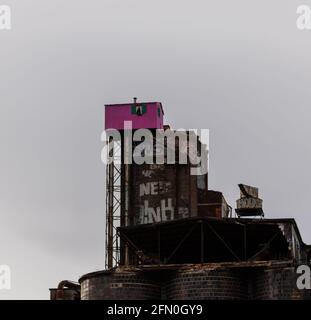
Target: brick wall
x,y
206,285
119,286
277,284
64,294
197,283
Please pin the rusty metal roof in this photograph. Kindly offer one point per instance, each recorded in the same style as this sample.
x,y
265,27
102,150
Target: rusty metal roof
x,y
208,240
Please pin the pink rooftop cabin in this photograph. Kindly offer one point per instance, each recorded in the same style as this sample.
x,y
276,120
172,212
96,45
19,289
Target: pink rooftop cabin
x,y
142,114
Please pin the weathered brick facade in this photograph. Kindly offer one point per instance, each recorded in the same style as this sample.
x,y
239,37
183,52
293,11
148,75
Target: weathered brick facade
x,y
206,284
278,284
188,283
126,285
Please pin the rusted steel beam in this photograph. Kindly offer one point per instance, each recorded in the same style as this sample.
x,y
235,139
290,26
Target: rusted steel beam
x,y
202,241
215,265
159,244
141,256
266,246
223,241
245,243
181,242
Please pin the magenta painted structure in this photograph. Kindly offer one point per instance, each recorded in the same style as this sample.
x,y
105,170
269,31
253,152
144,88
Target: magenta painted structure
x,y
116,114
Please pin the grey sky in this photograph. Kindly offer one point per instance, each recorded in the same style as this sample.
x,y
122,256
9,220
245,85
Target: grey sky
x,y
240,68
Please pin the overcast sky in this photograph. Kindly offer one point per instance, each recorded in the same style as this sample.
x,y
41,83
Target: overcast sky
x,y
239,68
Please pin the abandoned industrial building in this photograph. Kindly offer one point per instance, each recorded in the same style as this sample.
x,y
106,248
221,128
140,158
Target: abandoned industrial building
x,y
168,236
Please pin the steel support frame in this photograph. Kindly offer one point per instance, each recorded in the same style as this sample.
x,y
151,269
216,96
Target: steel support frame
x,y
113,204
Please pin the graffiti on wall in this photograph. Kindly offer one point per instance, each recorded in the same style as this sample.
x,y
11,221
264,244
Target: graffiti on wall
x,y
155,195
163,212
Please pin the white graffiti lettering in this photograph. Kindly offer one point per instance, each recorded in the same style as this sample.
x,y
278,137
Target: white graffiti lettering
x,y
183,212
163,213
154,188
